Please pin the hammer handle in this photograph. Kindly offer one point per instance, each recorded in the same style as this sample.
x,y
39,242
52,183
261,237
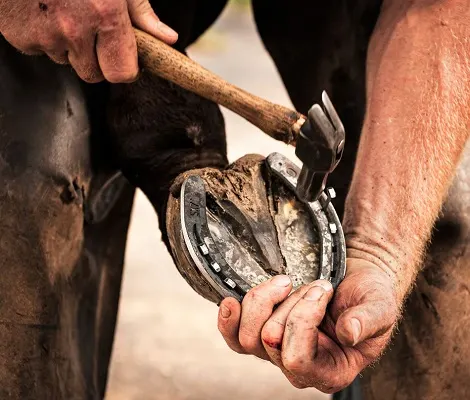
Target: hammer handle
x,y
160,59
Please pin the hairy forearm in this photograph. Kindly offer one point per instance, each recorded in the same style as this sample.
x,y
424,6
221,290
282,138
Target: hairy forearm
x,y
416,125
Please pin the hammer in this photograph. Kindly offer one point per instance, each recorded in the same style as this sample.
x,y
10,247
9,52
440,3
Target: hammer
x,y
319,139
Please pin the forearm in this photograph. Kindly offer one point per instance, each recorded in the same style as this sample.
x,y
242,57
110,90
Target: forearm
x,y
416,125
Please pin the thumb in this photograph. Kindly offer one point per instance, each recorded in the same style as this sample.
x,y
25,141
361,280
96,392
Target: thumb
x,y
368,320
143,17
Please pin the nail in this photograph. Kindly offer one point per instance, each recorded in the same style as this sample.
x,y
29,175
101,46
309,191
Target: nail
x,y
281,280
356,330
166,30
315,293
225,311
326,285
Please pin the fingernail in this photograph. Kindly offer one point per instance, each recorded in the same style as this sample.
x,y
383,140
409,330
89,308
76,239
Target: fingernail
x,y
356,330
281,280
225,311
327,286
314,294
166,30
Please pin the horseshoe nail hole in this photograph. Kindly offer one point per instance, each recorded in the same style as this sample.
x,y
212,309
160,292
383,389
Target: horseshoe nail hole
x,y
291,172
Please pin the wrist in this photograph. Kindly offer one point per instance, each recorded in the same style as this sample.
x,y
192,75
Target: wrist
x,y
399,269
377,231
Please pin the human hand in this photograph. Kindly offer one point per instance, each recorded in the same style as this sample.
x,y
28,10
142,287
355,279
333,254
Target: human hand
x,y
315,345
94,36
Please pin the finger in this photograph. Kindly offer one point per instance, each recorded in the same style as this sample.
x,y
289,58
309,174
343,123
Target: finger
x,y
365,321
273,330
78,48
30,51
82,57
143,17
300,342
229,323
257,307
23,46
58,57
54,46
116,49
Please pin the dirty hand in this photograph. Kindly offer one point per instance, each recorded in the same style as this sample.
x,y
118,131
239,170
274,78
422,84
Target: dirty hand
x,y
94,36
313,345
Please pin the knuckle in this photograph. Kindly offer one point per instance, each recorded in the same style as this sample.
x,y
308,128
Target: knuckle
x,y
106,11
90,75
249,297
329,385
298,384
248,342
48,43
331,389
271,335
93,79
334,384
260,295
70,30
294,364
254,296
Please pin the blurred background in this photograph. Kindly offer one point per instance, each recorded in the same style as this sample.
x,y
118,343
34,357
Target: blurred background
x,y
167,343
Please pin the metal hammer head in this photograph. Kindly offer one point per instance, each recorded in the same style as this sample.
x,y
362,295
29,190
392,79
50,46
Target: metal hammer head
x,y
320,148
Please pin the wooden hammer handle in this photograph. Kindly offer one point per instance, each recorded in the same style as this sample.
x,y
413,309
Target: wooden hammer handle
x,y
160,59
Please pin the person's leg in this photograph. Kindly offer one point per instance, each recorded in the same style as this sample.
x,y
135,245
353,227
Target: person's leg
x,y
323,45
59,288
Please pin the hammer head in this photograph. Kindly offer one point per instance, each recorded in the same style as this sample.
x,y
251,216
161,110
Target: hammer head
x,y
320,148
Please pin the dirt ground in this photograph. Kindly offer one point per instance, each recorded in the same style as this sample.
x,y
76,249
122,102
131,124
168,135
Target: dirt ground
x,y
167,345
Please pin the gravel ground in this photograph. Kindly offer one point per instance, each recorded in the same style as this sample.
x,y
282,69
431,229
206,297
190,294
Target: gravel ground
x,y
167,344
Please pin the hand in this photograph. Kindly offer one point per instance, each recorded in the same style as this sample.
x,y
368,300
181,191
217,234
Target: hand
x,y
313,345
94,36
